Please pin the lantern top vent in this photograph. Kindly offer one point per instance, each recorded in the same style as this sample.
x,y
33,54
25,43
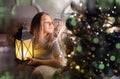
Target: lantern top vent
x,y
23,33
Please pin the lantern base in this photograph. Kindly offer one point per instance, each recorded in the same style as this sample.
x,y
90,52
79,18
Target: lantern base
x,y
21,61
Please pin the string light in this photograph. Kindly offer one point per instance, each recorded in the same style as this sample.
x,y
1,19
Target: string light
x,y
77,67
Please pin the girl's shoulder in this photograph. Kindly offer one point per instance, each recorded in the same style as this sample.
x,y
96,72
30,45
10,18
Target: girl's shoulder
x,y
54,43
55,40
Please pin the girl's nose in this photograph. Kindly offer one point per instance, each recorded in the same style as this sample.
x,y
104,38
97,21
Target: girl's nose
x,y
50,23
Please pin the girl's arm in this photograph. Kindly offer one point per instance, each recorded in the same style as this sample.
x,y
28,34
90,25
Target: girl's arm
x,y
55,61
51,62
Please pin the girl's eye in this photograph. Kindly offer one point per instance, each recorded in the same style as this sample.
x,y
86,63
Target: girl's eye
x,y
49,23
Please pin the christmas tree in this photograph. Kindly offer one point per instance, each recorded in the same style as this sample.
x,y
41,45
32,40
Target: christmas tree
x,y
93,48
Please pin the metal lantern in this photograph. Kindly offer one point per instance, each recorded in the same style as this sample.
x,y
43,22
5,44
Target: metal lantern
x,y
23,44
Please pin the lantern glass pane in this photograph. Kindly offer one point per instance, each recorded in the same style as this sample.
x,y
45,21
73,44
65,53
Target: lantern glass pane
x,y
18,50
27,49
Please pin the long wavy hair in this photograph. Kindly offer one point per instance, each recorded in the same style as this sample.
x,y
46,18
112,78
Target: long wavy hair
x,y
37,31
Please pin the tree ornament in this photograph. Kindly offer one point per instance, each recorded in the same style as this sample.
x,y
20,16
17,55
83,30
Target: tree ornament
x,y
96,40
79,6
101,66
71,23
79,48
112,58
117,45
111,20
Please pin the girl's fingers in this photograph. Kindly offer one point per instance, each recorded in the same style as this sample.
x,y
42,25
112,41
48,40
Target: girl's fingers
x,y
30,61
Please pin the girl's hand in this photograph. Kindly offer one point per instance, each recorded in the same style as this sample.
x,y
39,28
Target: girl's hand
x,y
33,62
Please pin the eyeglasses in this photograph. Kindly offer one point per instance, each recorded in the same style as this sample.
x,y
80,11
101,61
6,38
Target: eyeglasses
x,y
49,23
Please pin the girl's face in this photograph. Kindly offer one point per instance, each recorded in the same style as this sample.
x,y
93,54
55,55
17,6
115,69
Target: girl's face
x,y
47,22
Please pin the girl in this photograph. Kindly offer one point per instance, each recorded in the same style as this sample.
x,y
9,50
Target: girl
x,y
47,53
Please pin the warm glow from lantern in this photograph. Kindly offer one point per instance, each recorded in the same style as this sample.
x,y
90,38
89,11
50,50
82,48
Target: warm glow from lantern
x,y
24,49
